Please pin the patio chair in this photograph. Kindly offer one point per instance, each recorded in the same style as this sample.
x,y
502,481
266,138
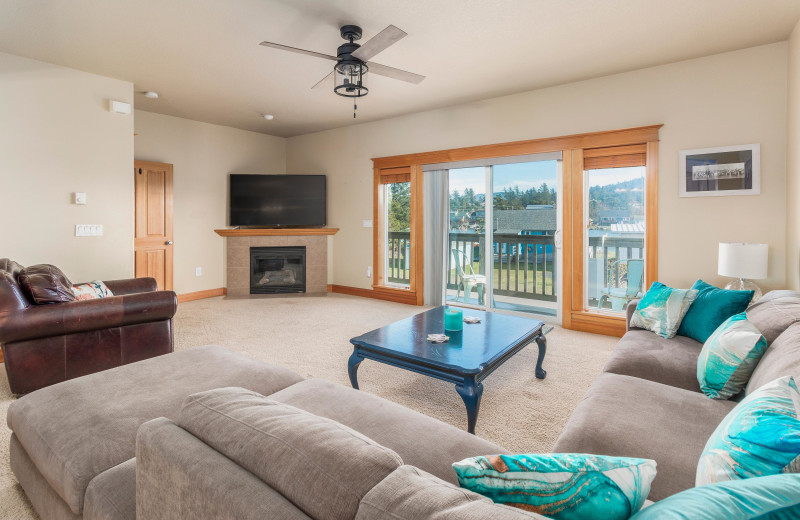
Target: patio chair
x,y
467,279
620,296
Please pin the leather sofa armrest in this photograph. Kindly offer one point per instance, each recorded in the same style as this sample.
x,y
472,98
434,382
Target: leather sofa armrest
x,y
629,312
41,321
131,286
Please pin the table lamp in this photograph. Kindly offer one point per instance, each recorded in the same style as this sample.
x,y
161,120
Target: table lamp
x,y
744,262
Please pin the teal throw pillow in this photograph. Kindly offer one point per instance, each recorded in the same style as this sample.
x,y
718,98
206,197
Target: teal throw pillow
x,y
561,486
729,357
776,497
759,437
711,307
662,308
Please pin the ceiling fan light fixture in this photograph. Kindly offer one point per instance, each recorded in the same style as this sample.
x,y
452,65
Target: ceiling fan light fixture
x,y
150,94
350,78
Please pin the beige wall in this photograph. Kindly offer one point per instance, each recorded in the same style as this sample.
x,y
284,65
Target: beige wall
x,y
728,99
203,155
793,165
58,137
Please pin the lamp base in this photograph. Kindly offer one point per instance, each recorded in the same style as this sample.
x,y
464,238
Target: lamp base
x,y
745,285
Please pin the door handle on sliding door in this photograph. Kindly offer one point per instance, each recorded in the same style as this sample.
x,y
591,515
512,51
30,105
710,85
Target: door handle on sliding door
x,y
557,239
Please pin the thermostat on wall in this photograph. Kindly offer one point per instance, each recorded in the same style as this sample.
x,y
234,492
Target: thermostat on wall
x,y
79,197
119,107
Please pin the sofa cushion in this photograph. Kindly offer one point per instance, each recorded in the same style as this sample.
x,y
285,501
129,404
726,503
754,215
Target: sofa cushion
x,y
45,283
320,465
729,357
662,309
111,495
645,355
179,477
710,308
420,440
782,358
774,312
776,497
412,494
75,430
631,417
761,436
574,486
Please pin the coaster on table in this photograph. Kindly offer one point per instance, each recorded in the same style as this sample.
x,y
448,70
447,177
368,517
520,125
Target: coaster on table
x,y
471,319
438,338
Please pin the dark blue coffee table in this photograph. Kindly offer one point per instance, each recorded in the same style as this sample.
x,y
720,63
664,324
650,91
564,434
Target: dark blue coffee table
x,y
466,360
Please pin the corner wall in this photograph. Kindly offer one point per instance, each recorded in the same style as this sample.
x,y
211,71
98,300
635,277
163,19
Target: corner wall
x,y
727,99
793,165
58,137
203,155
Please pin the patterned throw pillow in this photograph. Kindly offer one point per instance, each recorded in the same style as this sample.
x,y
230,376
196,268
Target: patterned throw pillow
x,y
776,497
561,486
91,290
662,308
729,357
761,436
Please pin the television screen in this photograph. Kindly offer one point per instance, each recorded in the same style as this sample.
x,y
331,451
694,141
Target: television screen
x,y
277,200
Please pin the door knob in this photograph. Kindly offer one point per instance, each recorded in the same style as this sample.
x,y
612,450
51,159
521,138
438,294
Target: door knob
x,y
168,242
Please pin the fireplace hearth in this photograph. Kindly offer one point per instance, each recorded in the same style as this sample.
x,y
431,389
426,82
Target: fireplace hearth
x,y
275,270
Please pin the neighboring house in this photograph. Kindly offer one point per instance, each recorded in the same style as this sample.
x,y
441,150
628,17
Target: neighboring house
x,y
613,216
539,221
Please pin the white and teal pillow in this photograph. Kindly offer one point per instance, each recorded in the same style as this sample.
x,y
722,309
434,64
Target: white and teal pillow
x,y
662,308
729,357
776,497
561,486
759,437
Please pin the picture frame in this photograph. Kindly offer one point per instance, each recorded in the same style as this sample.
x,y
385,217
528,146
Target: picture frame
x,y
720,171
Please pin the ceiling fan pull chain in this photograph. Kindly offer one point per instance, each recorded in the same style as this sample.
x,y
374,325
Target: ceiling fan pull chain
x,y
354,108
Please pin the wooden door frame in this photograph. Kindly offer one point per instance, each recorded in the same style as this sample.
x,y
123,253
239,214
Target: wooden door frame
x,y
168,217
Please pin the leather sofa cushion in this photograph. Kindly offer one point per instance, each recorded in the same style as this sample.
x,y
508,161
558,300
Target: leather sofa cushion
x,y
75,430
45,283
643,354
412,494
321,466
10,266
782,358
11,296
631,417
774,312
421,441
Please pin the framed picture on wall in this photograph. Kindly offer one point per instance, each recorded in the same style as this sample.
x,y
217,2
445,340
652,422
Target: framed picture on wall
x,y
725,170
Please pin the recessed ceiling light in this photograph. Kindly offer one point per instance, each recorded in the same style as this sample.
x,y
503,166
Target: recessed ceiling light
x,y
269,117
151,95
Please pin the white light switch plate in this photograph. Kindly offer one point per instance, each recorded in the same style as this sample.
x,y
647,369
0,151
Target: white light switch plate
x,y
88,230
366,223
80,197
198,271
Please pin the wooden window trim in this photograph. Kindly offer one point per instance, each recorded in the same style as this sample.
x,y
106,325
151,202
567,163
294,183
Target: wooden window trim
x,y
574,148
381,177
575,315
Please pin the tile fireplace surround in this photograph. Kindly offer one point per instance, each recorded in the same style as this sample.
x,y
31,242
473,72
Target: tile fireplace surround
x,y
239,242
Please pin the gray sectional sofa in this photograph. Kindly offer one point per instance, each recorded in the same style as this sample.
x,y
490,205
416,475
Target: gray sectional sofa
x,y
169,437
647,402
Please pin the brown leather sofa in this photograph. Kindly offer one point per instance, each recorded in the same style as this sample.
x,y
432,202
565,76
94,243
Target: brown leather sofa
x,y
46,344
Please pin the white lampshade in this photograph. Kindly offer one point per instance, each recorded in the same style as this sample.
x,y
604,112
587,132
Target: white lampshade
x,y
739,260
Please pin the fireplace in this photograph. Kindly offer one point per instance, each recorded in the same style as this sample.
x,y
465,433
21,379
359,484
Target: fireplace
x,y
277,270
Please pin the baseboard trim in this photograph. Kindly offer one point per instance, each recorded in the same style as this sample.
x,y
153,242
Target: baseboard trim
x,y
409,299
200,295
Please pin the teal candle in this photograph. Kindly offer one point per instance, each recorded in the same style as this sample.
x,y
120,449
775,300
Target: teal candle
x,y
453,319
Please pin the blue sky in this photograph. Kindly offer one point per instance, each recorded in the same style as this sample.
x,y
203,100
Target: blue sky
x,y
531,175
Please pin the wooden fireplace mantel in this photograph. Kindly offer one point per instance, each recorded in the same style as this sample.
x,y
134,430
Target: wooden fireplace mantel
x,y
275,232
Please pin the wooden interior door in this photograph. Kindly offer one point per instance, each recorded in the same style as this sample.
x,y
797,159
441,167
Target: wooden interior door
x,y
153,238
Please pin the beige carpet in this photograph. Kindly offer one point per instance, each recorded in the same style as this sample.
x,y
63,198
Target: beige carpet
x,y
310,335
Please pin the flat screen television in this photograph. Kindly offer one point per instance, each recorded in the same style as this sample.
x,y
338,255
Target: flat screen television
x,y
277,200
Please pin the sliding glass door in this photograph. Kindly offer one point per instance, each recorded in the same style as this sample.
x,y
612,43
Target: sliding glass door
x,y
502,236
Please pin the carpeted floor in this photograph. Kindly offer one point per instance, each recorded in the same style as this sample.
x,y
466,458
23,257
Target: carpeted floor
x,y
310,335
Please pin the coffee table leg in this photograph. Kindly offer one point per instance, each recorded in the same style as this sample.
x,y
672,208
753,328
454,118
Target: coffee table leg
x,y
352,368
541,342
470,393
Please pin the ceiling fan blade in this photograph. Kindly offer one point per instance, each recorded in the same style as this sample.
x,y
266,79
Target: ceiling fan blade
x,y
326,79
391,72
379,42
299,51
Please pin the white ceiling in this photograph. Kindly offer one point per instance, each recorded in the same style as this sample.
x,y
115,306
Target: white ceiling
x,y
203,56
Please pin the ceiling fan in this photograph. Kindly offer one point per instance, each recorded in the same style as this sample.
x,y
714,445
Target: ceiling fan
x,y
352,61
